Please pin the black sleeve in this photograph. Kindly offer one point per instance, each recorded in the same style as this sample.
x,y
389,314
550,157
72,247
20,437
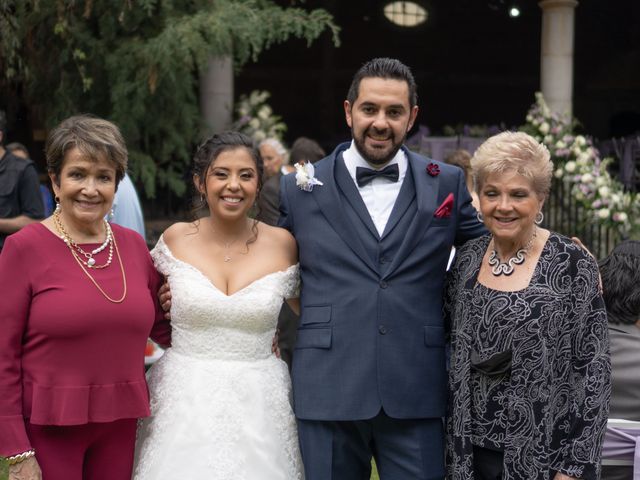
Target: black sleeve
x,y
29,193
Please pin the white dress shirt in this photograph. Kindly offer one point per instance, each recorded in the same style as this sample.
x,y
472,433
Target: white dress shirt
x,y
380,194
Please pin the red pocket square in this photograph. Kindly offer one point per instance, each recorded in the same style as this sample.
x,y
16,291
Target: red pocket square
x,y
444,210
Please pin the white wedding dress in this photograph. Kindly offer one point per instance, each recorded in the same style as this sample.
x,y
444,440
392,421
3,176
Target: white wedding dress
x,y
220,400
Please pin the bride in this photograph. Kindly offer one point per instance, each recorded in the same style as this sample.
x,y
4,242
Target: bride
x,y
220,399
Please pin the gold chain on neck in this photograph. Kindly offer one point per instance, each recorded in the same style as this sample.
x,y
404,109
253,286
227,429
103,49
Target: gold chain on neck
x,y
80,262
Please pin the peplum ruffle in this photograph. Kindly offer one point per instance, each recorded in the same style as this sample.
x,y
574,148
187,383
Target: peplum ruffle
x,y
78,405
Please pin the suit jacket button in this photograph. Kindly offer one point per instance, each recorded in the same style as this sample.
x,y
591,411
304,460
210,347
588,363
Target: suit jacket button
x,y
383,284
382,329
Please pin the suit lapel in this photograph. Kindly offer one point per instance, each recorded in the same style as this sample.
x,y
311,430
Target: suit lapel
x,y
426,191
406,194
351,193
330,202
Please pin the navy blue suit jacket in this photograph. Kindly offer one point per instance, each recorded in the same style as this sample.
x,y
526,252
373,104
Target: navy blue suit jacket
x,y
371,332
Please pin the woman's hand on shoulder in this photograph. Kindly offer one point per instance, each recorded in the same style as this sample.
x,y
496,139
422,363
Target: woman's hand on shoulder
x,y
27,470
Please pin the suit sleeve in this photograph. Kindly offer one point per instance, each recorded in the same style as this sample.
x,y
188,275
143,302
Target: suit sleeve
x,y
285,220
14,312
468,224
269,200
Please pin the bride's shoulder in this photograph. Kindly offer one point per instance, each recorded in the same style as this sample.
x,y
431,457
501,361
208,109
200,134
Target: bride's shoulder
x,y
278,238
176,232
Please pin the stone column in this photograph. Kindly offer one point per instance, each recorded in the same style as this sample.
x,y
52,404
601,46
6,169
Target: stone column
x,y
216,94
556,69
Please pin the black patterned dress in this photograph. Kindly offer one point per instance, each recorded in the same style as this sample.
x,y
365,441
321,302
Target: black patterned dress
x,y
548,410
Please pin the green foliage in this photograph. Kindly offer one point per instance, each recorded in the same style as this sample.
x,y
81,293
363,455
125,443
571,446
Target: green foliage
x,y
136,62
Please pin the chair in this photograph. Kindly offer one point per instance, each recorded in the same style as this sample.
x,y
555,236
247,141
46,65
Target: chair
x,y
621,446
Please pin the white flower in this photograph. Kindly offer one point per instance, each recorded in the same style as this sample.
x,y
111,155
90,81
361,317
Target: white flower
x,y
580,141
584,158
570,166
265,112
529,118
561,144
259,135
548,139
604,213
620,217
604,191
558,173
586,178
254,123
544,128
616,198
575,150
600,181
305,176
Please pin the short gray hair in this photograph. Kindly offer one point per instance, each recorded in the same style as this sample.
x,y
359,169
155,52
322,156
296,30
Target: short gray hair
x,y
93,136
516,152
278,147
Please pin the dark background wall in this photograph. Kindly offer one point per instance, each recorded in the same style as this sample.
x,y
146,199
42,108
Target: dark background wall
x,y
472,62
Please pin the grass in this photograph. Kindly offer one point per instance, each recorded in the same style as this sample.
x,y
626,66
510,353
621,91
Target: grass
x,y
4,475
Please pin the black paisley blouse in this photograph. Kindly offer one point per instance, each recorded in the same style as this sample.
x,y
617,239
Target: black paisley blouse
x,y
549,411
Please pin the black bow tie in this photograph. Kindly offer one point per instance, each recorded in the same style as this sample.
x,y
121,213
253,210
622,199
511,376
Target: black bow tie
x,y
365,175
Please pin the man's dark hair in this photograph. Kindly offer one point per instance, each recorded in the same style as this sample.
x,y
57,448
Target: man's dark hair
x,y
620,273
13,146
306,150
388,68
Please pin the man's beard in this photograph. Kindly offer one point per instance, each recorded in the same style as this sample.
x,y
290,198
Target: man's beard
x,y
374,156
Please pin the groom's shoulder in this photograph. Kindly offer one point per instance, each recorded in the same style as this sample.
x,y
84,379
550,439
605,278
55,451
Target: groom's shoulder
x,y
443,168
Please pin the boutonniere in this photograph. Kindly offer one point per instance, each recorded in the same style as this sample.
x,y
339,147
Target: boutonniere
x,y
433,169
305,179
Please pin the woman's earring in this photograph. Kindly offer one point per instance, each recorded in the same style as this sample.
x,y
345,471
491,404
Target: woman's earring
x,y
539,218
480,217
57,199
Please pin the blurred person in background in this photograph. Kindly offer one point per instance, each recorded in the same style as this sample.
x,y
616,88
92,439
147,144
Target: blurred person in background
x,y
20,199
275,158
620,272
19,150
75,321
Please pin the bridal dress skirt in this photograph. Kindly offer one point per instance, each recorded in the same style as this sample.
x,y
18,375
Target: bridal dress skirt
x,y
218,419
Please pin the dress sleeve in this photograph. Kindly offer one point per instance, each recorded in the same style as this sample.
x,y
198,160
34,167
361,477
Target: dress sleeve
x,y
292,282
14,312
591,386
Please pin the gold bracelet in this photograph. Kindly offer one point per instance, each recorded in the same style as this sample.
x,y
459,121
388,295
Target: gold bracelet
x,y
21,457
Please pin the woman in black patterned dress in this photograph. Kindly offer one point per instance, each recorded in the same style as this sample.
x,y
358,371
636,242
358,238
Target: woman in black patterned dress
x,y
530,371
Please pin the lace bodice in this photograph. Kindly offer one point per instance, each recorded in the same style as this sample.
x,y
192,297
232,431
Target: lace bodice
x,y
210,324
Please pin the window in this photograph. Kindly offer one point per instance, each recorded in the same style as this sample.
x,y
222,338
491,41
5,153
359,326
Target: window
x,y
405,14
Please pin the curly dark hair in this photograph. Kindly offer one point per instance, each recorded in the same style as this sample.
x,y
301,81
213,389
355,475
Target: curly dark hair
x,y
620,272
211,148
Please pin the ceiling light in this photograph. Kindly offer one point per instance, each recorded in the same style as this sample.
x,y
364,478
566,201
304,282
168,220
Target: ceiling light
x,y
405,14
514,12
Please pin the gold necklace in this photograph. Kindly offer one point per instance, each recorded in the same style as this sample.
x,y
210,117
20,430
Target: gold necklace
x,y
80,262
90,262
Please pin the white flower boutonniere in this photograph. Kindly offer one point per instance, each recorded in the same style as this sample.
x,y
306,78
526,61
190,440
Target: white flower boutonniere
x,y
304,177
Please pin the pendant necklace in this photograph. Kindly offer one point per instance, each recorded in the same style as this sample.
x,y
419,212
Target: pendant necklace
x,y
506,268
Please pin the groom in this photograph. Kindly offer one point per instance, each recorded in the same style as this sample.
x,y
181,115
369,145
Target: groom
x,y
374,229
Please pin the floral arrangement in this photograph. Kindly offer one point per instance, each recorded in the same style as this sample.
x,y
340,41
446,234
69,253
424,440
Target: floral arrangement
x,y
255,117
578,162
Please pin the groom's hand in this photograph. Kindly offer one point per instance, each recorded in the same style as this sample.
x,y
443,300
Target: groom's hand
x,y
274,343
164,295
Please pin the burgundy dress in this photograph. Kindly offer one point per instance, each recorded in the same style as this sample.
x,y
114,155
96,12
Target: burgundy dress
x,y
69,356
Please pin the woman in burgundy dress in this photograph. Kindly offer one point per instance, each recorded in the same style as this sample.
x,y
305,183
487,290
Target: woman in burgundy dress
x,y
78,304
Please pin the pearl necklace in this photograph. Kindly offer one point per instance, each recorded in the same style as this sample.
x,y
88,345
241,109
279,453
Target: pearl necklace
x,y
90,262
506,268
113,244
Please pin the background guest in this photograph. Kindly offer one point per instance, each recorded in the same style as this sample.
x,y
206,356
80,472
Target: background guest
x,y
529,382
275,158
20,200
75,321
462,158
19,150
620,273
303,150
